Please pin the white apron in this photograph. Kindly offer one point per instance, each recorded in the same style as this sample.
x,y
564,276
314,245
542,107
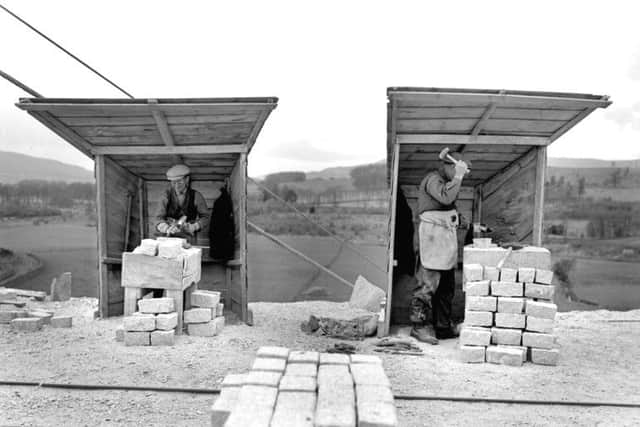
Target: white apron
x,y
438,239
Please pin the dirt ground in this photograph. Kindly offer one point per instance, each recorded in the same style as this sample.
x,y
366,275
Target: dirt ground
x,y
599,362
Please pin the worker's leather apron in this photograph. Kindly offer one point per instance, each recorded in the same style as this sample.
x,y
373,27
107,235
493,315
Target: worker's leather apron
x,y
438,239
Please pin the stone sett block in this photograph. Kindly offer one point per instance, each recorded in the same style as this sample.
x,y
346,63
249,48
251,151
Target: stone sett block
x,y
373,393
336,394
249,417
61,321
206,329
7,295
163,337
304,357
540,309
198,315
369,374
220,310
156,305
205,299
526,275
530,256
510,320
491,273
506,336
139,322
269,364
472,272
296,400
230,392
334,374
475,336
542,356
45,316
371,414
137,338
479,288
233,380
544,277
510,305
538,340
508,274
273,352
474,303
472,353
478,318
343,415
219,322
263,378
535,290
535,324
7,316
11,305
334,359
302,370
297,383
166,321
507,289
120,334
292,418
365,358
257,396
26,324
504,355
520,348
221,409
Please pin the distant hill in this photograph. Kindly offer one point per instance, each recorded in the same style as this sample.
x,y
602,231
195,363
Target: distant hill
x,y
340,172
562,162
16,167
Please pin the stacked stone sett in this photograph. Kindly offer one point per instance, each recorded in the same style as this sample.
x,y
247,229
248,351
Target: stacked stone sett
x,y
509,313
153,324
330,390
205,318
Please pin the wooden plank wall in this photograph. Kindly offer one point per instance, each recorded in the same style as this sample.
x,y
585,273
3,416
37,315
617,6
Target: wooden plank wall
x,y
238,288
118,184
508,201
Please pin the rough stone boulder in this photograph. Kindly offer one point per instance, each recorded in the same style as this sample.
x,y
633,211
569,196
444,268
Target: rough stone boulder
x,y
339,320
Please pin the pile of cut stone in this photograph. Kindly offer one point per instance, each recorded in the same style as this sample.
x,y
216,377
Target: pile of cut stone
x,y
153,324
509,316
306,388
166,247
205,318
21,318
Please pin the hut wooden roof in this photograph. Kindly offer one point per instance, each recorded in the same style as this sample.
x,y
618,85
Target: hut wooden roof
x,y
493,128
147,136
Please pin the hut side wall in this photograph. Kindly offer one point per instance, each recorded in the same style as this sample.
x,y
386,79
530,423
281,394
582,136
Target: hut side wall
x,y
508,201
237,275
120,195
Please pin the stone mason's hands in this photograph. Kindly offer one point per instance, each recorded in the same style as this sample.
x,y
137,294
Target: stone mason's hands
x,y
190,228
461,169
163,227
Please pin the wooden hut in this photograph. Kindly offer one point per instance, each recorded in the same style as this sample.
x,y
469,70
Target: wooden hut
x,y
505,134
133,143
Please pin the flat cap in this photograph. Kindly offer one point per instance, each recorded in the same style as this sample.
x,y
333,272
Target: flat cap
x,y
177,172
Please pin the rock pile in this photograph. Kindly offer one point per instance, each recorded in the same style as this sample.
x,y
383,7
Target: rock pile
x,y
153,324
22,318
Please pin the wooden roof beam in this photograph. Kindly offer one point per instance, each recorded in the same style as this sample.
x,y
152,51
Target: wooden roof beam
x,y
448,139
129,150
571,123
485,116
63,131
163,127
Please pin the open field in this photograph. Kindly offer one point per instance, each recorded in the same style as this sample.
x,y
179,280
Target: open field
x,y
275,275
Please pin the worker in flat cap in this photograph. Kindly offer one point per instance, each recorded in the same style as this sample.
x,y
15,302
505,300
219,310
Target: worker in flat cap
x,y
182,211
431,300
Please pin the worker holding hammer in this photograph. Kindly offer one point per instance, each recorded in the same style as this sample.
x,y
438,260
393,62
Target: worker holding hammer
x,y
182,210
431,300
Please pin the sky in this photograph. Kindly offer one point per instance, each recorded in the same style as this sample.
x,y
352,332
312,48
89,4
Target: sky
x,y
328,62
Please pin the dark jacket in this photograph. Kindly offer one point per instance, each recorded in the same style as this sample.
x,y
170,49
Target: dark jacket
x,y
222,232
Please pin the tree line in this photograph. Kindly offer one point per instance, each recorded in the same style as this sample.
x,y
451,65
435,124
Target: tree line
x,y
38,197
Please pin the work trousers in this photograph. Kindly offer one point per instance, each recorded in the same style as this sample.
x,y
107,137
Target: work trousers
x,y
431,301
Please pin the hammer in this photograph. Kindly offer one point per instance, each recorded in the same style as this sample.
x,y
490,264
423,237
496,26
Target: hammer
x,y
444,154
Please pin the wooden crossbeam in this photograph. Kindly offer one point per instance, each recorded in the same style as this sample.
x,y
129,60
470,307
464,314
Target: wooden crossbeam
x,y
485,116
163,127
165,150
447,139
571,123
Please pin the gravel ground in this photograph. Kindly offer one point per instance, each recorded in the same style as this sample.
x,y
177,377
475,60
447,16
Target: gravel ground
x,y
599,362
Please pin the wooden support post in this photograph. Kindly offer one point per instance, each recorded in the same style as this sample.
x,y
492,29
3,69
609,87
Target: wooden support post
x,y
538,212
392,236
477,204
242,210
103,283
142,201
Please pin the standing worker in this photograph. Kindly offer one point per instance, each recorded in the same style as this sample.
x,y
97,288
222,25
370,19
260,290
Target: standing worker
x,y
431,300
182,211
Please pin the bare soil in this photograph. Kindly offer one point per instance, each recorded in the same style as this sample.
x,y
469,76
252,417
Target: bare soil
x,y
599,362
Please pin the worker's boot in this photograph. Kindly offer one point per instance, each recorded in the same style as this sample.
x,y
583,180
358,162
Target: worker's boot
x,y
424,334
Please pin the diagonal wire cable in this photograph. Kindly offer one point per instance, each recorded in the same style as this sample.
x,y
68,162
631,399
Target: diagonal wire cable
x,y
330,233
65,51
